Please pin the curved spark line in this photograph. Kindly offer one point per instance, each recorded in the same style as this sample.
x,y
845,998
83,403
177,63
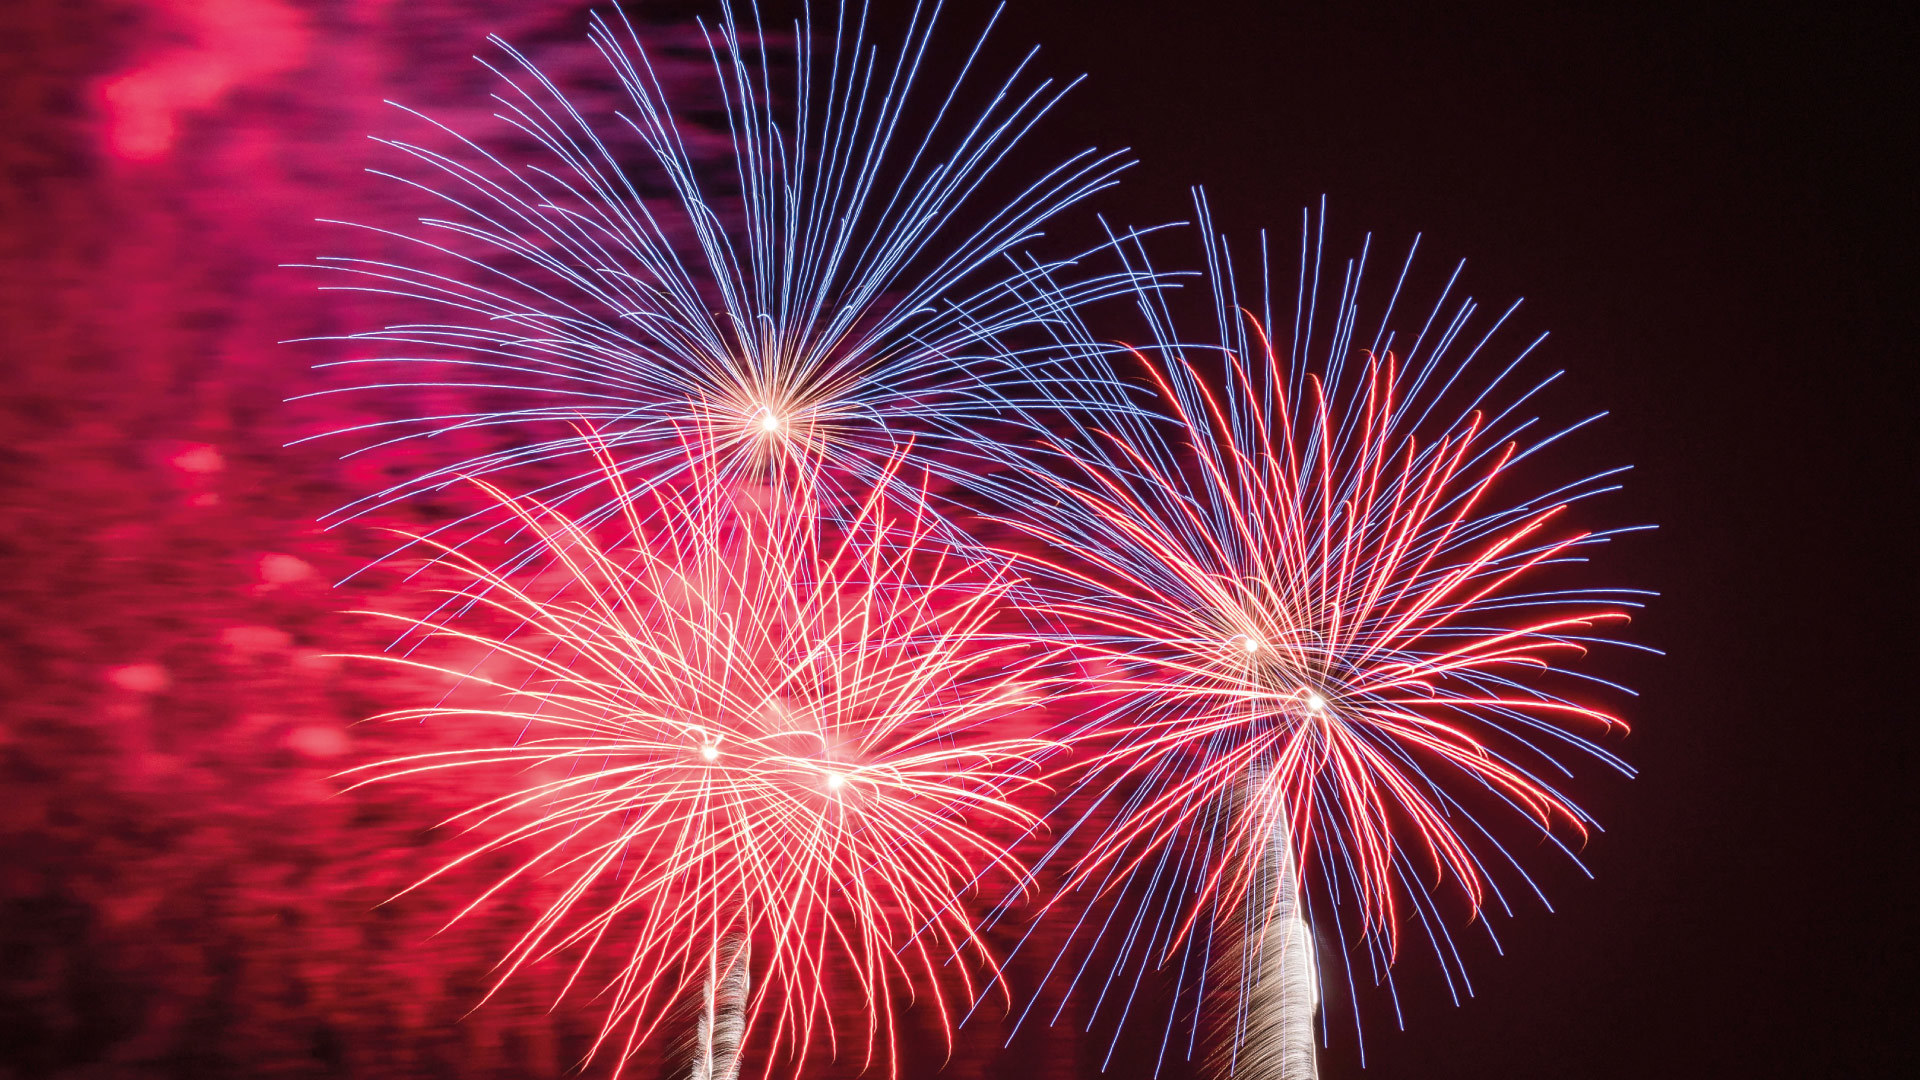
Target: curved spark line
x,y
846,290
1316,608
749,727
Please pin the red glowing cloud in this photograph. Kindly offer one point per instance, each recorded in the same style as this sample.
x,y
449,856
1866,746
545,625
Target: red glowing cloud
x,y
223,44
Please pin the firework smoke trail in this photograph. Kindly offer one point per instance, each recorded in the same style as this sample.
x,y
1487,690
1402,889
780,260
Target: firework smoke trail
x,y
1274,1015
849,287
723,1012
754,735
1325,615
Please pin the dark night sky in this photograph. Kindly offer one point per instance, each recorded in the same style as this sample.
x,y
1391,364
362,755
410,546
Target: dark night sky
x,y
1702,207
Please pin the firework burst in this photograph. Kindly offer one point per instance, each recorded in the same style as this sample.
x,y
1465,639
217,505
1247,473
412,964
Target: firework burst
x,y
750,746
845,287
1325,615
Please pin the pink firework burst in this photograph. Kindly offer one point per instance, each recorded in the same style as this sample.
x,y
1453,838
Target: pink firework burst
x,y
753,746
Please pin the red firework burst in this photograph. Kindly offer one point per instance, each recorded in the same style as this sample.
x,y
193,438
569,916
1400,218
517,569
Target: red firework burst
x,y
1327,649
751,745
1333,638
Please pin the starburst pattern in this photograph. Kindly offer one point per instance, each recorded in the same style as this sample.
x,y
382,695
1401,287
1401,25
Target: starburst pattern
x,y
848,284
743,733
1318,609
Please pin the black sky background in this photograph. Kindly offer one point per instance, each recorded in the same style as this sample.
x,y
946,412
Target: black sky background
x,y
1704,208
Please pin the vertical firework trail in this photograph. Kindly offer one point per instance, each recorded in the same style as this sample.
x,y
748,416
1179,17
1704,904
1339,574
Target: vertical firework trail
x,y
1326,618
723,1012
753,747
1275,1015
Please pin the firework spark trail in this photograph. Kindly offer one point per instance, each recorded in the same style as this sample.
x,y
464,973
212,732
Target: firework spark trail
x,y
852,287
1313,608
723,1013
1275,1014
752,734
